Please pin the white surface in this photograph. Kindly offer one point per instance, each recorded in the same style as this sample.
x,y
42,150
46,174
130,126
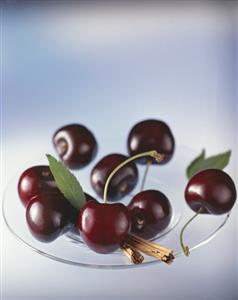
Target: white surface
x,y
181,71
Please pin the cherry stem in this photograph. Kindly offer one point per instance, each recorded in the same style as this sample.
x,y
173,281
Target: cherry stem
x,y
186,248
154,154
145,174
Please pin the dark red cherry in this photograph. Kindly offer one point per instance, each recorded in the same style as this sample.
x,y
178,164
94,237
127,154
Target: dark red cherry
x,y
35,180
150,213
48,215
75,145
122,183
74,215
151,135
103,227
211,189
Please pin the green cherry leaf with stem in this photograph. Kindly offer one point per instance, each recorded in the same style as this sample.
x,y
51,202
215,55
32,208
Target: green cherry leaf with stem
x,y
67,183
219,161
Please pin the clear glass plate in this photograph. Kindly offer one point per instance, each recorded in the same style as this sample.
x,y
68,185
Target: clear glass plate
x,y
69,248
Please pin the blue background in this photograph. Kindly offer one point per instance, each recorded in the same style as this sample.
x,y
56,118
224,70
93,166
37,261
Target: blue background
x,y
108,66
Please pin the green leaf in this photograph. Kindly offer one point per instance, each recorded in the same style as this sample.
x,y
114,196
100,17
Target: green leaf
x,y
219,161
194,165
67,183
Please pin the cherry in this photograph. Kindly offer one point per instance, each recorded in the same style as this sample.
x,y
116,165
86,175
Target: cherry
x,y
35,180
76,145
48,215
74,215
121,184
150,213
151,135
210,191
103,227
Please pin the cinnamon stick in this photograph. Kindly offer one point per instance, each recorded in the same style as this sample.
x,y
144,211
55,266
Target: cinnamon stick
x,y
149,248
134,255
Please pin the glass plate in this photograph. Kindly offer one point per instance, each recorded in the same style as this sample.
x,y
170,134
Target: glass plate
x,y
69,248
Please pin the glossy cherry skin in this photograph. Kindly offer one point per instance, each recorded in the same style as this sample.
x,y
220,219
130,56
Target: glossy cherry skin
x,y
122,183
151,135
103,227
211,189
150,212
48,215
75,145
74,216
35,180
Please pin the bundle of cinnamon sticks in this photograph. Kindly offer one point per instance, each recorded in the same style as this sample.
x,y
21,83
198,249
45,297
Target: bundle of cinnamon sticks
x,y
134,245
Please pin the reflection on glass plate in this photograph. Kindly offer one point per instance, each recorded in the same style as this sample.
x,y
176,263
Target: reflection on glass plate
x,y
70,249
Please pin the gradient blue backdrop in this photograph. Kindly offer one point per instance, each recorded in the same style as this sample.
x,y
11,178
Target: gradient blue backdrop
x,y
108,66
